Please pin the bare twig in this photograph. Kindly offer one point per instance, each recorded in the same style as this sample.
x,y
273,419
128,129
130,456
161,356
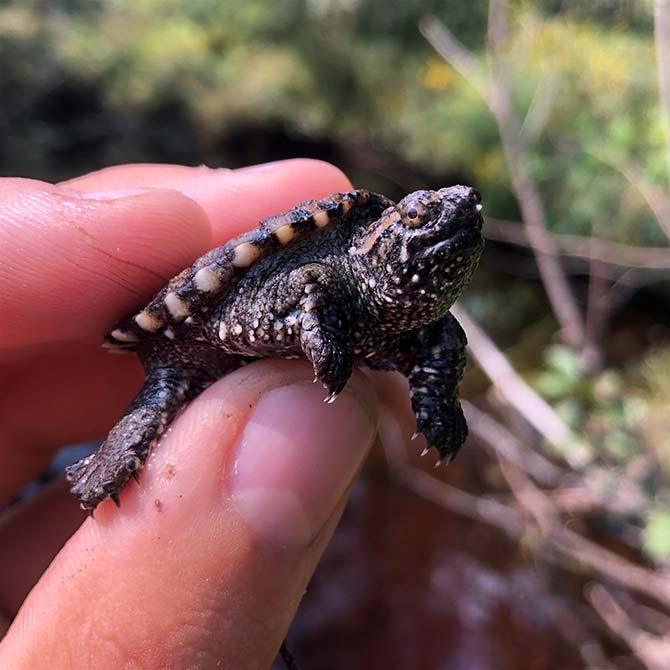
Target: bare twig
x,y
572,545
598,310
483,426
458,56
497,95
594,492
530,201
585,498
477,508
540,108
511,386
614,254
653,651
563,546
657,201
662,40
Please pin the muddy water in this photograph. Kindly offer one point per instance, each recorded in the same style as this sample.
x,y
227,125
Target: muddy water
x,y
406,584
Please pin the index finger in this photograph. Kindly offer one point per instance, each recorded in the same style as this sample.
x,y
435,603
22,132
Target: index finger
x,y
234,200
75,258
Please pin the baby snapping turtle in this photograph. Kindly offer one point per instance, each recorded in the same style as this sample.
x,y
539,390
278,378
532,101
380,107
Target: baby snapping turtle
x,y
353,279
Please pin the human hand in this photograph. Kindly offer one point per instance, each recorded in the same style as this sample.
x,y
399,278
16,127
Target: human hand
x,y
206,561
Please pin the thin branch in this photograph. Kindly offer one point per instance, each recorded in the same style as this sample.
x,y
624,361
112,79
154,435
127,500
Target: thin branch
x,y
498,25
570,544
586,498
458,56
652,650
540,108
589,494
657,201
500,517
563,546
511,386
662,40
497,96
477,508
486,428
598,311
588,249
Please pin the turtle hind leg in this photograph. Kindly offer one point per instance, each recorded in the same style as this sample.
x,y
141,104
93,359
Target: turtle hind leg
x,y
123,453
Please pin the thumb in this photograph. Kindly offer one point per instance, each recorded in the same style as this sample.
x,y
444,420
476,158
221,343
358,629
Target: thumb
x,y
206,561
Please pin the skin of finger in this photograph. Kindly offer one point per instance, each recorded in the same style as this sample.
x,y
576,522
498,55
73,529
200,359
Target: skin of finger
x,y
70,266
175,575
234,200
87,261
31,534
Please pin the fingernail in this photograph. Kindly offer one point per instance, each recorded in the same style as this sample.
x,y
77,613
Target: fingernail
x,y
296,458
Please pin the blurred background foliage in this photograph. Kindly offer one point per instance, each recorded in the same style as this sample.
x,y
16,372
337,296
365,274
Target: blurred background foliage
x,y
169,79
89,83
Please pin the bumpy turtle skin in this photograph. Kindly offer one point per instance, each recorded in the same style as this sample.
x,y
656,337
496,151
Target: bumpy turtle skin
x,y
350,280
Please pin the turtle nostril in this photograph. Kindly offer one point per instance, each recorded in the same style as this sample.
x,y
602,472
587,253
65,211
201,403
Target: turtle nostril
x,y
470,204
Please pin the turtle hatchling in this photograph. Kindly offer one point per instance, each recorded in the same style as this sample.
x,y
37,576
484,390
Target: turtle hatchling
x,y
353,279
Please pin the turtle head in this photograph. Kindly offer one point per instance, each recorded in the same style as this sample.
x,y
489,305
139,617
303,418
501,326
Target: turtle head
x,y
420,254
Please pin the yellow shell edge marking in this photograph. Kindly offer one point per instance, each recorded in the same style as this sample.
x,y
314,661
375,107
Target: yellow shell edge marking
x,y
321,219
176,306
285,233
206,280
123,336
148,322
245,254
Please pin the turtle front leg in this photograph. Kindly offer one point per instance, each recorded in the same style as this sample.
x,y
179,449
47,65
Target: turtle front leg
x,y
324,332
434,374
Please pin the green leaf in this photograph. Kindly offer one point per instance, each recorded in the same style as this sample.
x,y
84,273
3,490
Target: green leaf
x,y
656,534
565,361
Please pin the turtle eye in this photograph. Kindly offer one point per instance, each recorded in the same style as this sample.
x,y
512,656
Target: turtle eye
x,y
412,214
